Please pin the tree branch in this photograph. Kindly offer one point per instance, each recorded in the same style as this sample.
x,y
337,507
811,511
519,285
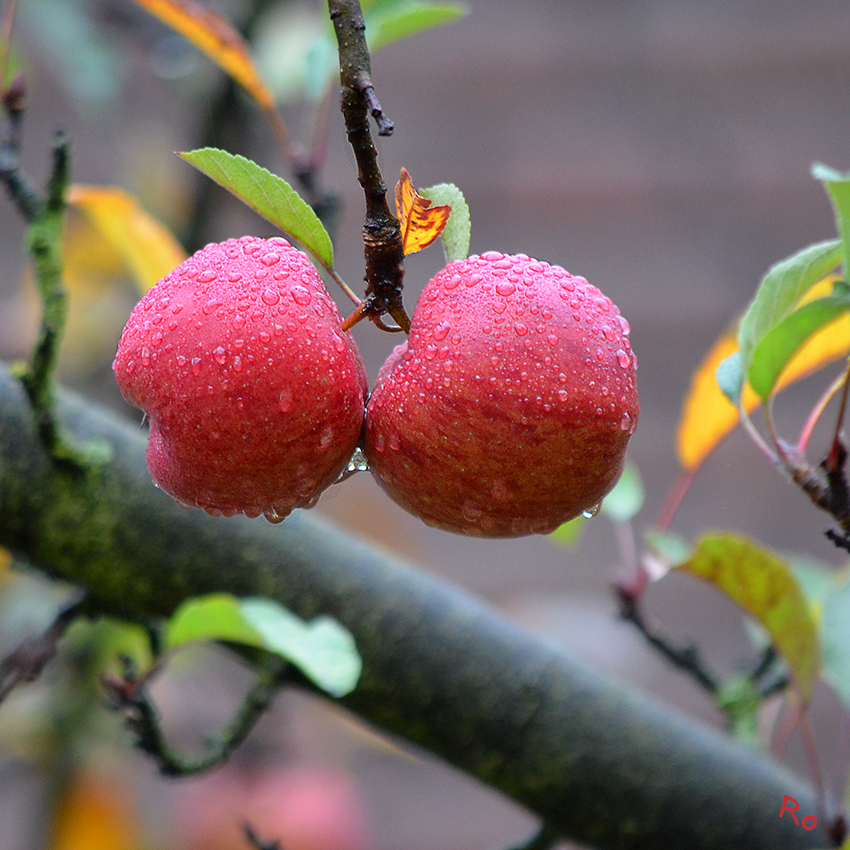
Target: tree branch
x,y
598,763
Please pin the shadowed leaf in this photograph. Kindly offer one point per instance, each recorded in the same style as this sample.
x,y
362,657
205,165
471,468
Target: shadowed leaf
x,y
764,585
458,230
268,195
421,223
216,37
146,246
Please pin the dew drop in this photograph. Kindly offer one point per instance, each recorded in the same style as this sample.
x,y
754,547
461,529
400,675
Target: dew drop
x,y
130,367
520,329
196,366
623,359
219,355
301,295
552,339
505,288
589,513
273,516
237,364
441,331
600,354
207,276
284,400
270,297
326,438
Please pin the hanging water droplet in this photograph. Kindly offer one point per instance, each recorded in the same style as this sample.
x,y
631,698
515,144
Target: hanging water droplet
x,y
589,513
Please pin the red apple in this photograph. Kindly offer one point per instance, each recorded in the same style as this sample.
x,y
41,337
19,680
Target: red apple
x,y
509,408
254,393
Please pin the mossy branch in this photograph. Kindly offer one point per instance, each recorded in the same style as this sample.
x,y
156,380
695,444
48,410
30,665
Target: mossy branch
x,y
598,763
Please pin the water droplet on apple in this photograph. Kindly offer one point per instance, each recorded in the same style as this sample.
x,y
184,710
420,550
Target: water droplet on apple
x,y
442,331
520,329
623,359
270,297
505,288
284,400
589,513
301,295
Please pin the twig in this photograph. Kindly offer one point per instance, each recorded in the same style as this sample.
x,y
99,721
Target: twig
x,y
28,660
131,696
384,251
686,657
256,842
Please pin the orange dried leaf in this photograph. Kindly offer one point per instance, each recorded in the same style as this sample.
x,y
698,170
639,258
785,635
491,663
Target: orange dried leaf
x,y
216,37
421,222
147,247
95,813
708,416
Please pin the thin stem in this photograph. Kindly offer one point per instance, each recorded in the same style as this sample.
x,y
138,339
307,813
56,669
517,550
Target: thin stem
x,y
818,410
143,721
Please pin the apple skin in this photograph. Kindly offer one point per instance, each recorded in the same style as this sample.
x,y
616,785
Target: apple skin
x,y
509,408
254,393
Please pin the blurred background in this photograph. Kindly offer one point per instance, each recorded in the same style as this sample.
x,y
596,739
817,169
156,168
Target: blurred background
x,y
660,148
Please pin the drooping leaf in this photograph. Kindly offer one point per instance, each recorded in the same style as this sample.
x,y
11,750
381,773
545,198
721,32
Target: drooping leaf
x,y
780,291
322,649
708,416
458,230
837,186
147,247
626,499
764,585
421,222
389,22
218,39
267,194
782,342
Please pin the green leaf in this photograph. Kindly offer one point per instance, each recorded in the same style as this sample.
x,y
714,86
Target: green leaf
x,y
835,634
837,186
764,585
780,290
626,499
218,616
783,341
266,194
458,230
395,20
730,377
322,649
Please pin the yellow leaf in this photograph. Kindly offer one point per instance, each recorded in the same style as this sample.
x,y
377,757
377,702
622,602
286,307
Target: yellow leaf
x,y
216,37
147,247
764,585
95,813
708,416
421,223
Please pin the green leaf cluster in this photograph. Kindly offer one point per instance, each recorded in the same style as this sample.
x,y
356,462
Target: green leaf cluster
x,y
785,312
